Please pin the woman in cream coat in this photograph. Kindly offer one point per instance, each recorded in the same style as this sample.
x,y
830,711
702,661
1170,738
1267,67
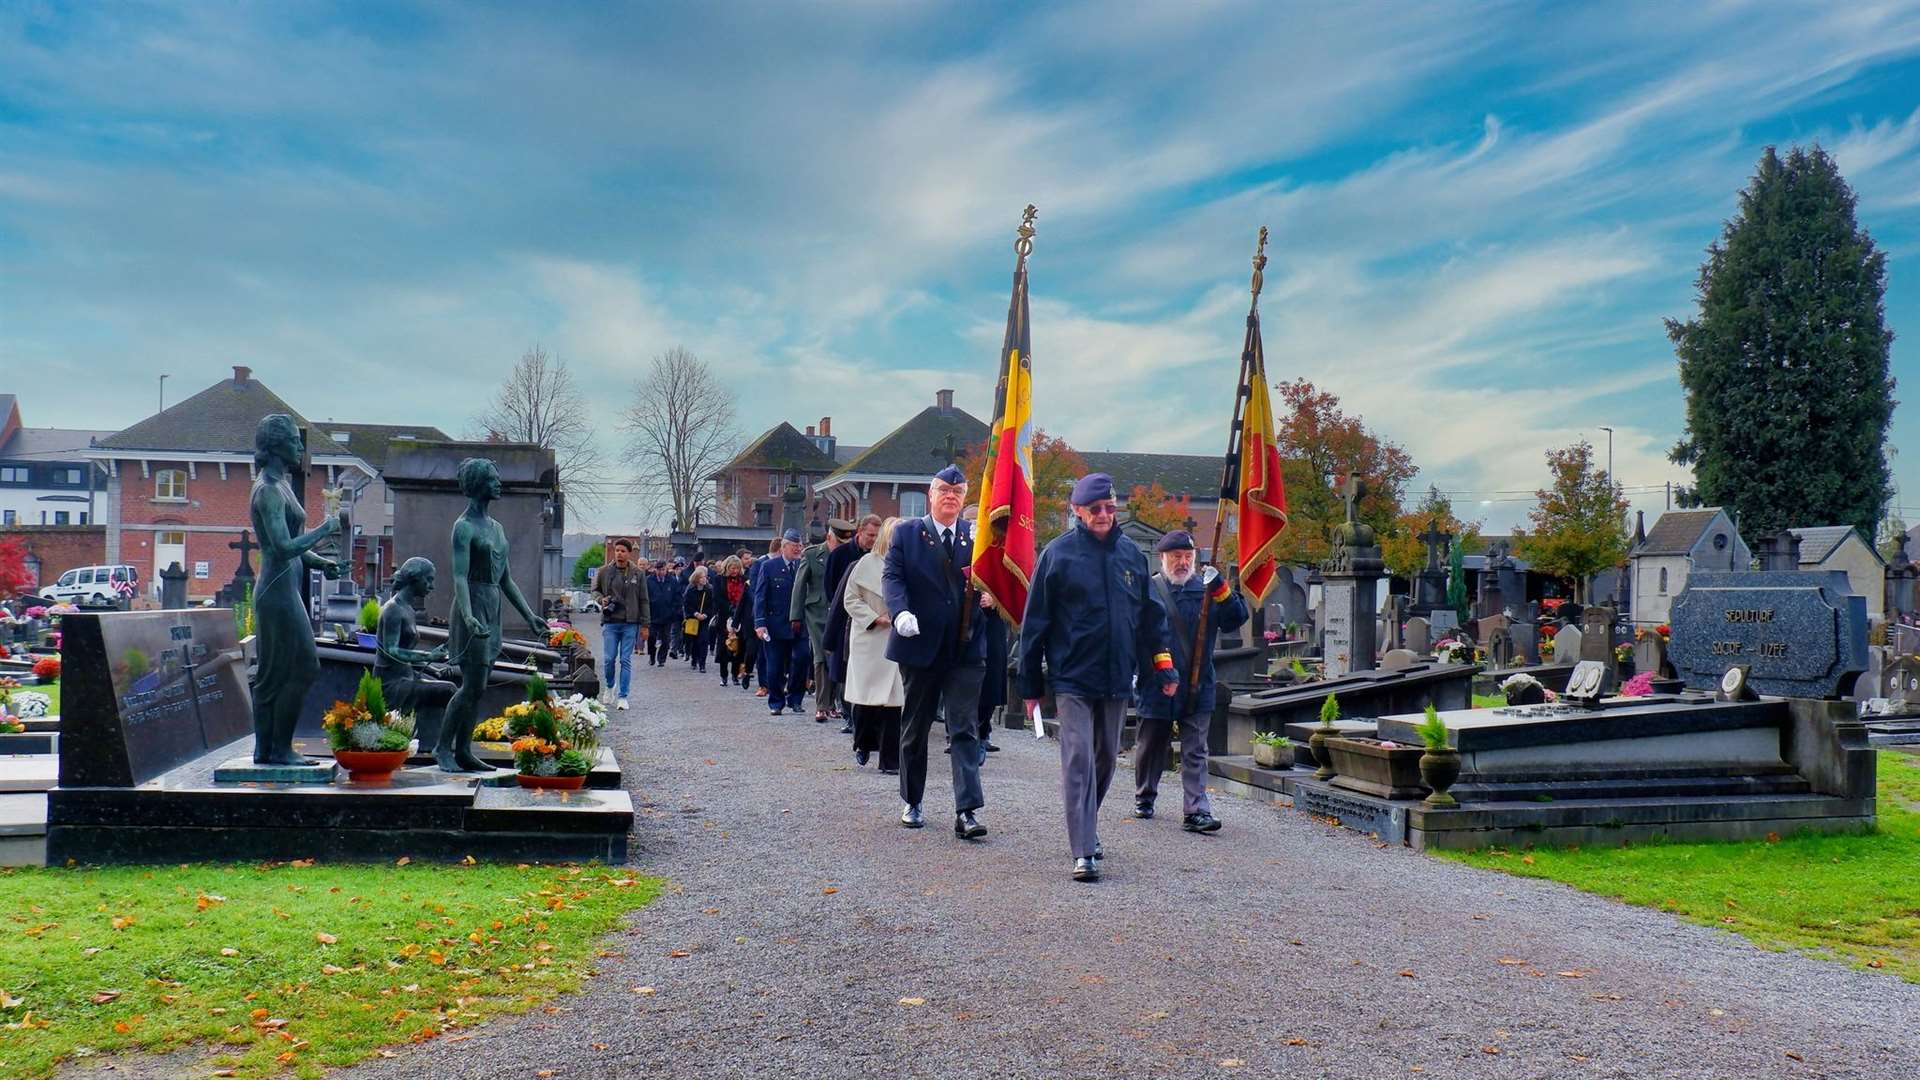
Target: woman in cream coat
x,y
873,681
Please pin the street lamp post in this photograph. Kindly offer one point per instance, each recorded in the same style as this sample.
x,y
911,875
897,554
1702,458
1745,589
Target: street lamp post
x,y
1609,432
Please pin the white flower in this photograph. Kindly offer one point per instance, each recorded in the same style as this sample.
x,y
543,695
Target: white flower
x,y
30,703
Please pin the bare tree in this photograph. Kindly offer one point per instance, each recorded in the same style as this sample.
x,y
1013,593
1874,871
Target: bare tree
x,y
679,431
539,403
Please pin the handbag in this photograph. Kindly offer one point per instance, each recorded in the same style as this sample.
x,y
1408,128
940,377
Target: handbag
x,y
691,627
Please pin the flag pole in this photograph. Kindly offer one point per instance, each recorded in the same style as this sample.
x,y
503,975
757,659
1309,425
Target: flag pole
x,y
1230,467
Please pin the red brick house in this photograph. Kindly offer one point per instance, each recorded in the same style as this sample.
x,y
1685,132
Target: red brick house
x,y
179,483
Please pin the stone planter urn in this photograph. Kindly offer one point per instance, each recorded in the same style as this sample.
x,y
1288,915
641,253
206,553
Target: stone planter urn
x,y
1438,771
1373,767
1317,744
1272,757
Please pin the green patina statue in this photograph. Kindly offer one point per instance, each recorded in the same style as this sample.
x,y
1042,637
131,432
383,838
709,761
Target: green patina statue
x,y
480,582
407,685
289,663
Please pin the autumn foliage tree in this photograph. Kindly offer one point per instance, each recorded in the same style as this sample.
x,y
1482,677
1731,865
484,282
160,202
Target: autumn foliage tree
x,y
1576,523
14,577
1321,446
1153,506
1056,465
1406,554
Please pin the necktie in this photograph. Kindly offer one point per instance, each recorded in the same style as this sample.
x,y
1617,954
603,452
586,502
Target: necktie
x,y
946,537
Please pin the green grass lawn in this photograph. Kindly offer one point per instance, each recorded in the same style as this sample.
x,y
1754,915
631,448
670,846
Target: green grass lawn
x,y
1854,898
290,968
1489,701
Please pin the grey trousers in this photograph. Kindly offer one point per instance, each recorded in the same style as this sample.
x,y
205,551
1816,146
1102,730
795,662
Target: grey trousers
x,y
1089,743
1150,750
952,694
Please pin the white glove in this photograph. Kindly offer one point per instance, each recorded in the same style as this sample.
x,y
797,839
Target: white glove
x,y
761,633
1208,576
906,625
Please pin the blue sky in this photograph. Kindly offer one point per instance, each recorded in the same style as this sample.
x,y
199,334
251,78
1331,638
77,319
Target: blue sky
x,y
1480,215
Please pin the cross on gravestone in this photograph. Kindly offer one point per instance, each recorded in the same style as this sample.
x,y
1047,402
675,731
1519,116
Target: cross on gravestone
x,y
950,451
1433,538
246,547
1353,491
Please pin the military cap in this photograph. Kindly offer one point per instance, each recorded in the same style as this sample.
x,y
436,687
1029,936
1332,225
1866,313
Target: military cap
x,y
951,475
792,536
841,526
1177,540
1092,488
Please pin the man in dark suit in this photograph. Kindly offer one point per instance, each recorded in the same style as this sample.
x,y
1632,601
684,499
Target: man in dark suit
x,y
939,641
783,640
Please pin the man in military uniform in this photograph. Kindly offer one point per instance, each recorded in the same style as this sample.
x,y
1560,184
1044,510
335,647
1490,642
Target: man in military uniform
x,y
939,641
1180,592
1091,626
783,639
810,607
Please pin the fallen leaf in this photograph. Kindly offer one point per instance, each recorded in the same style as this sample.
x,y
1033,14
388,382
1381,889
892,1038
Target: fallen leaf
x,y
1571,974
1296,1041
829,890
229,952
121,922
913,1001
1494,1050
598,1046
1528,859
1876,962
1231,1063
1407,974
645,990
8,1001
325,939
1795,1056
403,860
678,954
101,997
1511,961
331,969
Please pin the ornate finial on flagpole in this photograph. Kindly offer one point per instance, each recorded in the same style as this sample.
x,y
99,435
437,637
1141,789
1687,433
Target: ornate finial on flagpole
x,y
1024,246
1260,263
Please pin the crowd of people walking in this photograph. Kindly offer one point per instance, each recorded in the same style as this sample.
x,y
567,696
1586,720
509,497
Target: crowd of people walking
x,y
882,624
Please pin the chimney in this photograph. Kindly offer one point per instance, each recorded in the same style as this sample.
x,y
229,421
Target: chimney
x,y
943,399
809,431
241,374
826,425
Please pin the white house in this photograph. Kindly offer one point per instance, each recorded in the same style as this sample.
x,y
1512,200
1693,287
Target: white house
x,y
1841,547
1681,542
45,477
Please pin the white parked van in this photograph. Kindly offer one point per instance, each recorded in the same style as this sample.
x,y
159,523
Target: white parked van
x,y
95,586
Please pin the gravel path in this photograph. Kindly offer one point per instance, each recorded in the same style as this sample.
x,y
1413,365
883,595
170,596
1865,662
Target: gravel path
x,y
825,941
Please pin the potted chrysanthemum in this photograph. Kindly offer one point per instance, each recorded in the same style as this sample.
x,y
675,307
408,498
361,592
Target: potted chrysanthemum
x,y
368,741
550,747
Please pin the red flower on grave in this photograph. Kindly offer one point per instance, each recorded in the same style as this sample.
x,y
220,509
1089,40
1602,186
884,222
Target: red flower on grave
x,y
47,668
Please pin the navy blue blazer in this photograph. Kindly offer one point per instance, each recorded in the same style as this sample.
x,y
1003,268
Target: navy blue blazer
x,y
773,597
918,577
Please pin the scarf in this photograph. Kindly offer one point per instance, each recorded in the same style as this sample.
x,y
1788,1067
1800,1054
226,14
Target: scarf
x,y
736,588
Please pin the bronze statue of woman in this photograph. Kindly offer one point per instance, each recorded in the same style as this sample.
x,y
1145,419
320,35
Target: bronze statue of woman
x,y
288,662
480,582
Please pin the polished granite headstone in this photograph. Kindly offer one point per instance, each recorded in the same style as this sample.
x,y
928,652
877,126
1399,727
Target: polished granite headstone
x,y
1803,633
146,691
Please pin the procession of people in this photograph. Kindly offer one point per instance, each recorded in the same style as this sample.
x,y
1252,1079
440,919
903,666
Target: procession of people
x,y
883,625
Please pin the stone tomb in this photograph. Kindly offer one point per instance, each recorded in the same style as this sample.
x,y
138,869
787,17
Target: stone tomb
x,y
154,702
1362,694
1676,767
1803,634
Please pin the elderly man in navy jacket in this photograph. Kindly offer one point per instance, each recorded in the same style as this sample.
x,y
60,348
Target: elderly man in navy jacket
x,y
939,641
1181,593
1091,627
782,639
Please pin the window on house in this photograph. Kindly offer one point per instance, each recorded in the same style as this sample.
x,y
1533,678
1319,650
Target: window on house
x,y
773,483
913,504
62,517
170,484
1663,581
70,476
83,518
8,517
762,515
13,474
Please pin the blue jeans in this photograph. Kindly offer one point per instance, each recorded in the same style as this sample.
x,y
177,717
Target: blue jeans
x,y
616,642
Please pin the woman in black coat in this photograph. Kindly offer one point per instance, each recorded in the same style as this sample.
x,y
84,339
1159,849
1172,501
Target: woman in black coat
x,y
696,603
733,622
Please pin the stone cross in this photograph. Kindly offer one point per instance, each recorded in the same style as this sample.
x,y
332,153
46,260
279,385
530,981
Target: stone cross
x,y
1353,490
950,452
1433,538
246,547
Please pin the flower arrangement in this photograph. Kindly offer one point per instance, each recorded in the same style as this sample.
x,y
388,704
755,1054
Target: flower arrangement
x,y
37,611
1271,636
565,637
5,652
365,723
1546,646
1547,632
1453,651
548,737
1639,686
9,725
492,729
47,669
1664,631
27,704
1622,653
8,685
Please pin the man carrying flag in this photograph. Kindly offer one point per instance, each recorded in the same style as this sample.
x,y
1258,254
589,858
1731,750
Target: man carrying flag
x,y
1200,605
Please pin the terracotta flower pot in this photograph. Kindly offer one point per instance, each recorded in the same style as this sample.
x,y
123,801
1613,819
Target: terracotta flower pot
x,y
552,783
1438,770
365,766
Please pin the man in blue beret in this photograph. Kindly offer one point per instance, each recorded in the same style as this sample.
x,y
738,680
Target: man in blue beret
x,y
1180,592
939,641
1091,627
783,639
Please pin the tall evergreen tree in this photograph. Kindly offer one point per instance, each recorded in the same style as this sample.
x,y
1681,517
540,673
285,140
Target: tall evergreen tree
x,y
1785,366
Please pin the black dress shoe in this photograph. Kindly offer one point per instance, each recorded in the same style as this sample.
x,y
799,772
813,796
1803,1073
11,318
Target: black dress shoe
x,y
1099,853
1086,870
1143,811
797,710
860,758
884,771
910,817
990,748
846,729
1201,823
968,827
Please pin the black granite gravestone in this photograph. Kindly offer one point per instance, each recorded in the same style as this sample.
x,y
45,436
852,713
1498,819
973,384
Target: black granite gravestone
x,y
1804,634
145,691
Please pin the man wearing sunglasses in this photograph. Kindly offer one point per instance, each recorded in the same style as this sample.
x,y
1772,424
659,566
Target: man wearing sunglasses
x,y
1091,627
